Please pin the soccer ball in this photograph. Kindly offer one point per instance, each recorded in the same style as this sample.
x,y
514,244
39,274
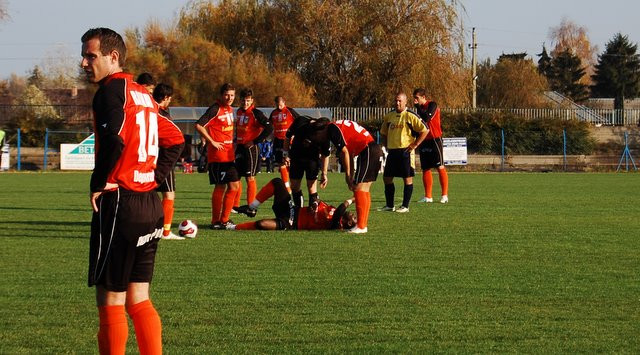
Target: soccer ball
x,y
188,229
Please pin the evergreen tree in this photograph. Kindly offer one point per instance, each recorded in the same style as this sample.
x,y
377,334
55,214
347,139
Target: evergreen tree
x,y
36,78
544,63
617,73
566,72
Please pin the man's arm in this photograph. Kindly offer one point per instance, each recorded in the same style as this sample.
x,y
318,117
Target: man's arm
x,y
171,140
339,212
265,123
211,112
420,127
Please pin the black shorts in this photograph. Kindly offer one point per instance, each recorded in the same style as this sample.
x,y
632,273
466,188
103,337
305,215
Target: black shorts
x,y
283,207
169,183
247,160
369,163
278,146
222,173
431,155
399,163
124,239
303,166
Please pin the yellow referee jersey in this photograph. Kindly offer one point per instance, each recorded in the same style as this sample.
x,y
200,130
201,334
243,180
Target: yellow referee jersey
x,y
398,126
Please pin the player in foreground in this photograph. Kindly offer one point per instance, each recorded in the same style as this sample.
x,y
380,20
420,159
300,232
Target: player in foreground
x,y
288,216
216,127
397,131
162,94
252,128
281,118
431,148
354,141
127,214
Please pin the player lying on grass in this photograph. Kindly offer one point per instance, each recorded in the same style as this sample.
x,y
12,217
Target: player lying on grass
x,y
288,216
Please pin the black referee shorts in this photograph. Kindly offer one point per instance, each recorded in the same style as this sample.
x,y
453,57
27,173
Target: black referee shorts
x,y
399,163
278,146
124,238
369,163
308,167
247,160
431,155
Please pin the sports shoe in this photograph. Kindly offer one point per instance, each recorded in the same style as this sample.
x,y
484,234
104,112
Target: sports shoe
x,y
172,236
402,209
234,210
425,200
228,225
386,209
247,210
444,199
357,230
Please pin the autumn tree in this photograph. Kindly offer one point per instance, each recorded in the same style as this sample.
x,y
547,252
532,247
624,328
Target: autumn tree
x,y
570,36
566,72
617,73
34,115
510,83
354,53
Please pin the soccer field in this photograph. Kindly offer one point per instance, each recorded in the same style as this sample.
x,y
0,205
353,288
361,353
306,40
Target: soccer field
x,y
519,262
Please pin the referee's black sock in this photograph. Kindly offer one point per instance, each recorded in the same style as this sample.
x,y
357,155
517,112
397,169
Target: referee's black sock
x,y
406,198
389,192
298,199
313,201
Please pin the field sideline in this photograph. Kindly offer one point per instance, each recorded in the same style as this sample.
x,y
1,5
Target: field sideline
x,y
520,262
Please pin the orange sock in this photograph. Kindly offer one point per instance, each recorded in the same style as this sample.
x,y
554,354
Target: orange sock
x,y
444,181
284,173
216,203
265,192
361,204
367,208
236,201
167,207
229,198
114,330
148,327
246,226
252,187
427,182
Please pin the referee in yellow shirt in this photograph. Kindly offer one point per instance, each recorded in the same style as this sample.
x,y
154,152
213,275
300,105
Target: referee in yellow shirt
x,y
398,131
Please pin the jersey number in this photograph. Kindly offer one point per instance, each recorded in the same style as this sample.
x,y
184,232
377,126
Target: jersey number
x,y
148,140
358,128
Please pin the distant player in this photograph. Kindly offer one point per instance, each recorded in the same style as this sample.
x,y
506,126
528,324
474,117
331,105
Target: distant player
x,y
398,128
288,216
307,158
127,214
252,128
216,127
163,93
146,80
281,118
431,156
354,141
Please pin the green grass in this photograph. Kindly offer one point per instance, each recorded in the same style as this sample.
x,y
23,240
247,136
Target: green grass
x,y
540,263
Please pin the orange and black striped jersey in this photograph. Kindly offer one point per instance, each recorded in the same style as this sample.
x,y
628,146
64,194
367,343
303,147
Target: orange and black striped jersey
x,y
281,120
345,133
430,115
252,126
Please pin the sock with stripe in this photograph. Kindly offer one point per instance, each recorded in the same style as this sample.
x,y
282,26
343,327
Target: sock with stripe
x,y
146,322
444,181
427,182
284,173
246,226
167,207
114,330
216,203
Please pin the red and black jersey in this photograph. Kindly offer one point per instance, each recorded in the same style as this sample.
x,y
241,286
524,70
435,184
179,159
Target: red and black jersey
x,y
345,133
281,120
321,219
430,115
129,133
219,123
252,126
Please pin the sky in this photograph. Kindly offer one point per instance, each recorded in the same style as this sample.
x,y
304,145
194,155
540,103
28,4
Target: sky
x,y
46,32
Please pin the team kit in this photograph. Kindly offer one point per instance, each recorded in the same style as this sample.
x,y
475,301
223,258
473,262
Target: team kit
x,y
138,146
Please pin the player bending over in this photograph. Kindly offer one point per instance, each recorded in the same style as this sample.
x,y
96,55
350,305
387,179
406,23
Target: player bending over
x,y
288,216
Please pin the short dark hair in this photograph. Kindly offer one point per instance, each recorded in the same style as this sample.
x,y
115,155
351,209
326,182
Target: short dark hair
x,y
278,98
110,41
246,93
226,87
161,91
145,79
420,91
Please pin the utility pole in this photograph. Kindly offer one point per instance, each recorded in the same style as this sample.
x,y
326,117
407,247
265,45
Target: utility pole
x,y
474,76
